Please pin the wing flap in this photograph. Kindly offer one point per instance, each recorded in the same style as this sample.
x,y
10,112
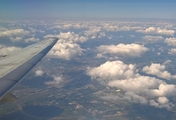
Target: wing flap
x,y
9,97
6,85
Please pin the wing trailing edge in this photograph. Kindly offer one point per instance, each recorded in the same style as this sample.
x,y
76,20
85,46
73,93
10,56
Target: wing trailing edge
x,y
14,67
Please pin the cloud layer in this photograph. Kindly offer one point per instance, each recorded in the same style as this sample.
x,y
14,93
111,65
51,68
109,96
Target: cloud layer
x,y
157,30
135,87
126,78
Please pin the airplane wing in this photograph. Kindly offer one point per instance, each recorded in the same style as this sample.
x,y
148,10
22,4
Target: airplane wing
x,y
14,67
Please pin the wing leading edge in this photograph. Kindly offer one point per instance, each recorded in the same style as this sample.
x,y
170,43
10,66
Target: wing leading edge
x,y
14,68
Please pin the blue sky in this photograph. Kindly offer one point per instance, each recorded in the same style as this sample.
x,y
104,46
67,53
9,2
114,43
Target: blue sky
x,y
88,9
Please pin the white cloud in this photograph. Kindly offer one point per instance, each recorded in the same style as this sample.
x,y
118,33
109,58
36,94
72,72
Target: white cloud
x,y
125,50
64,26
96,27
65,50
35,30
136,84
112,70
150,38
3,29
170,41
69,36
158,70
16,39
167,62
151,91
172,51
39,73
57,80
14,33
132,36
4,50
131,96
118,26
154,30
71,25
32,40
161,102
110,37
134,87
94,32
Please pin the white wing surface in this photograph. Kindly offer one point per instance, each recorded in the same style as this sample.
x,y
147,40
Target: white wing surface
x,y
14,67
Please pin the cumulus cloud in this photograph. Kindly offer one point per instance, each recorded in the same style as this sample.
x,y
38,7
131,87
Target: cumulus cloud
x,y
16,39
154,30
151,91
94,32
72,25
158,70
4,50
32,40
124,50
161,102
57,80
39,73
95,26
65,50
170,41
14,33
172,51
112,70
149,38
138,83
35,30
69,36
135,87
64,26
119,26
3,29
167,62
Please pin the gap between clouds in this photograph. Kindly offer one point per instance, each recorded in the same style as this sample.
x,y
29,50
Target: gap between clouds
x,y
57,80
